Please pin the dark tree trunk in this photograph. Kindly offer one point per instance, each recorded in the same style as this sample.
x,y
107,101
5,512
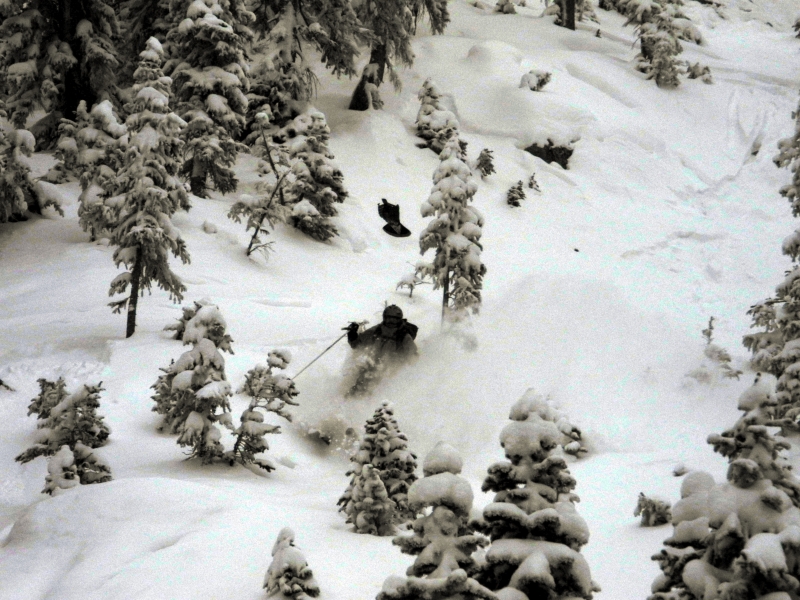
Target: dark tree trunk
x,y
445,295
76,82
136,277
197,179
373,73
568,14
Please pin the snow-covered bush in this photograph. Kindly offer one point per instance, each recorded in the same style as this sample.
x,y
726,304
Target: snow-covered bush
x,y
377,497
432,118
192,397
18,190
289,577
515,195
701,72
659,47
71,423
533,184
535,80
454,233
654,511
209,69
739,539
532,406
485,163
535,530
203,320
270,205
411,281
441,538
145,192
270,392
316,183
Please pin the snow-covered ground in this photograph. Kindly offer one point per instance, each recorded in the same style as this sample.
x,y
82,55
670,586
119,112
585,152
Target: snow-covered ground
x,y
596,292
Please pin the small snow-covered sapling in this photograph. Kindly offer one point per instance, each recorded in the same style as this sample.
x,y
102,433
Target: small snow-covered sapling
x,y
533,184
269,392
654,511
506,7
515,194
289,577
485,163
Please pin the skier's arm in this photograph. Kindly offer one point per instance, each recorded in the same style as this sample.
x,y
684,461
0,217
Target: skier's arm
x,y
352,335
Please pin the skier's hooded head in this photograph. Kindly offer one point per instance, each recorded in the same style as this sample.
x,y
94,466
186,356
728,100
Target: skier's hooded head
x,y
392,316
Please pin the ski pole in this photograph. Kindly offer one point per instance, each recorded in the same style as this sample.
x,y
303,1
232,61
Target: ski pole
x,y
320,355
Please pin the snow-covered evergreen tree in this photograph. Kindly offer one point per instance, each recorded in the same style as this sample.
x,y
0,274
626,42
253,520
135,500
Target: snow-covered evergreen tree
x,y
441,539
701,72
485,163
146,192
18,191
192,394
535,80
515,195
454,234
209,70
776,348
289,577
737,539
316,183
270,205
62,474
271,392
659,47
535,530
533,184
392,23
54,54
72,423
433,119
505,7
382,453
532,406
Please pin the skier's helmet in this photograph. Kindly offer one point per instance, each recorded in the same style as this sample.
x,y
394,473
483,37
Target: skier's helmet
x,y
392,312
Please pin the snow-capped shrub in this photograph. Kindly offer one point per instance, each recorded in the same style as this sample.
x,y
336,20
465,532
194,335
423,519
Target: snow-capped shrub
x,y
316,184
203,320
659,47
718,362
432,119
192,396
485,163
515,195
535,80
411,281
377,497
209,69
535,530
454,233
71,423
270,392
654,511
441,539
533,184
701,72
145,192
289,577
739,539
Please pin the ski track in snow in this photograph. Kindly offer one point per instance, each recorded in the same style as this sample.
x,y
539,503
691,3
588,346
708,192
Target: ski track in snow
x,y
596,293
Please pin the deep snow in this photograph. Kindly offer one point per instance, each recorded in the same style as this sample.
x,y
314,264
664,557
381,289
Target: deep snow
x,y
596,292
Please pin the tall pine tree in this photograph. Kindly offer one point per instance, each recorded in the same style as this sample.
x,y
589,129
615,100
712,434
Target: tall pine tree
x,y
454,234
147,191
208,66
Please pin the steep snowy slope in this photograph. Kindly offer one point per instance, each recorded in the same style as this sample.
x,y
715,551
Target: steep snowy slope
x,y
596,292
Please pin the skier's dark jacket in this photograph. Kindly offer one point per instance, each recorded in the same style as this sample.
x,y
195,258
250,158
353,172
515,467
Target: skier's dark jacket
x,y
385,342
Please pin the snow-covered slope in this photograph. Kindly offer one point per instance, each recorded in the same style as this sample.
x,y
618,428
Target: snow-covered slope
x,y
596,292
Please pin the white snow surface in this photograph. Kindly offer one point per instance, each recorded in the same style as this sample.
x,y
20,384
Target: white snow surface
x,y
596,293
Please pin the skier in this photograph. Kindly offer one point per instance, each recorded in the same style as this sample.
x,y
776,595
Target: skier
x,y
388,344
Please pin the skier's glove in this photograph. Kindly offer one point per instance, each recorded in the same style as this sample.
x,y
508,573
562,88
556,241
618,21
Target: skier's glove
x,y
352,331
